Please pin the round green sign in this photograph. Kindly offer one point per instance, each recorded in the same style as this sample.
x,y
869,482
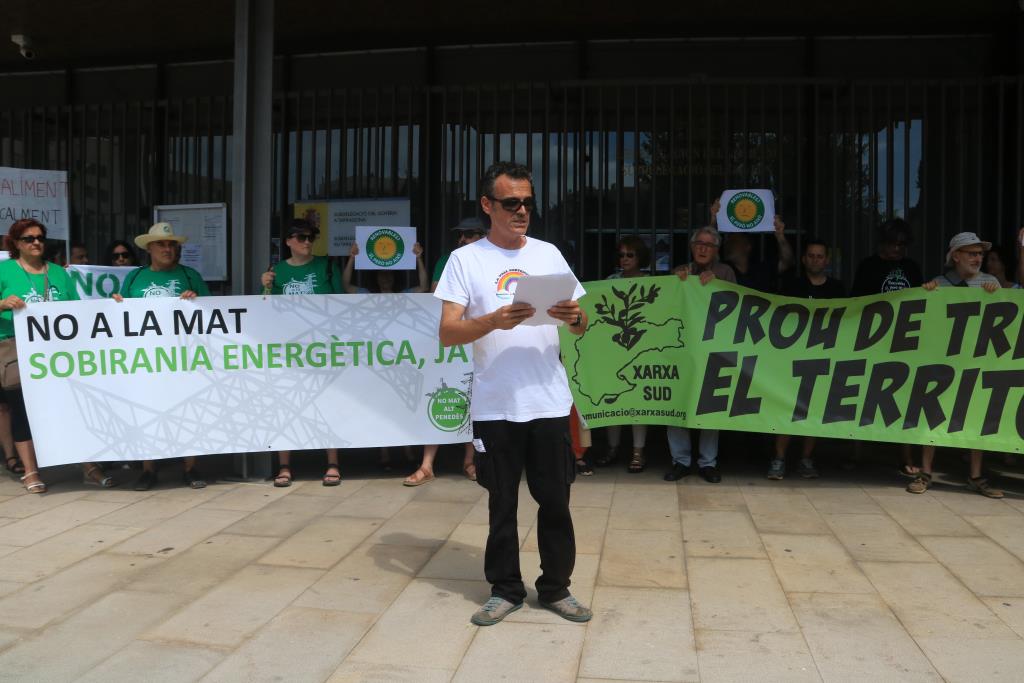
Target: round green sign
x,y
448,409
745,210
385,247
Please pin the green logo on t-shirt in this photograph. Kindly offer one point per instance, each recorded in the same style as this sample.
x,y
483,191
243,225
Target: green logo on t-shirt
x,y
745,210
385,247
448,408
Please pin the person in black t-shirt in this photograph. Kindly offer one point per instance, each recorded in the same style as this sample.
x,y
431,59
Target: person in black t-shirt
x,y
814,283
762,275
888,270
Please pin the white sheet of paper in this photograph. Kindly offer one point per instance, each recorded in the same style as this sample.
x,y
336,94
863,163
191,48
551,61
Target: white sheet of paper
x,y
746,211
396,248
542,292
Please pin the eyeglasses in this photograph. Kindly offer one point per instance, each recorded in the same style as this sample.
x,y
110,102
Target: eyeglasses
x,y
29,239
512,204
627,254
704,245
304,237
121,255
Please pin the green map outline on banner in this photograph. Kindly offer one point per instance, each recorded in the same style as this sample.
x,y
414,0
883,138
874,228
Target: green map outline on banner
x,y
942,368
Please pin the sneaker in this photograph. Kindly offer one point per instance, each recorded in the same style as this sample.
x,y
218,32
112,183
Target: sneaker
x,y
583,468
193,479
807,469
146,481
777,470
568,608
980,485
677,472
921,483
493,611
710,474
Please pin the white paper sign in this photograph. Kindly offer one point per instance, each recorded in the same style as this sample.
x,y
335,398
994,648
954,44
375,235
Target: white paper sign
x,y
542,292
385,248
165,377
746,211
206,226
98,282
42,195
192,255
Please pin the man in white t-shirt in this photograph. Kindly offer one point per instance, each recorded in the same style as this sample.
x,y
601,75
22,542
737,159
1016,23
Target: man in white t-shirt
x,y
521,401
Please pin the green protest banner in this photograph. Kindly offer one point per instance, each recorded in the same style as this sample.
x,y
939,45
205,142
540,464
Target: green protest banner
x,y
944,367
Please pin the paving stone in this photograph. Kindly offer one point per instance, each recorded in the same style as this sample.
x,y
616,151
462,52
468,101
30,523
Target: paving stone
x,y
876,538
427,626
283,517
814,564
720,533
651,559
41,602
203,566
462,555
591,492
178,534
1006,531
4,521
8,587
8,549
964,502
236,608
92,635
422,523
753,602
54,521
156,662
776,513
847,501
150,511
322,543
857,637
923,515
930,602
376,500
299,644
63,550
368,580
990,660
707,498
1010,610
248,497
729,656
26,505
651,508
450,489
315,487
589,526
983,566
9,638
118,495
640,634
541,652
367,672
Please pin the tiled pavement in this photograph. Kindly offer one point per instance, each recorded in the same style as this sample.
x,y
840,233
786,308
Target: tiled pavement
x,y
745,580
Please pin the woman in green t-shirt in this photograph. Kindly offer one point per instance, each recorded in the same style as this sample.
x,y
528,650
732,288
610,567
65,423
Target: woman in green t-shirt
x,y
303,273
163,277
27,279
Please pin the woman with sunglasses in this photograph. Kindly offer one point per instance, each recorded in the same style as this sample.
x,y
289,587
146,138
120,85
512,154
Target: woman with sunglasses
x,y
120,253
634,260
27,278
303,273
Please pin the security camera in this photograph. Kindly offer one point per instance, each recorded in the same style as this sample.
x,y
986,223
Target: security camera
x,y
24,45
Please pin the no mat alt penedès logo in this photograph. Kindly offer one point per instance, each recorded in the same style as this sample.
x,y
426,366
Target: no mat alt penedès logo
x,y
385,247
448,408
745,210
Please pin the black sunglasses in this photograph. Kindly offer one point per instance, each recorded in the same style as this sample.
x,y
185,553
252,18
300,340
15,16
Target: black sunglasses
x,y
121,254
29,239
512,204
304,237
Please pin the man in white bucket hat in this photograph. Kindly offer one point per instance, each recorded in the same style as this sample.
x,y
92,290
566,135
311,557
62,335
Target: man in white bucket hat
x,y
163,277
963,262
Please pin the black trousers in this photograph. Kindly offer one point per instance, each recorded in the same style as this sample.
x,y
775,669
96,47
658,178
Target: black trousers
x,y
541,448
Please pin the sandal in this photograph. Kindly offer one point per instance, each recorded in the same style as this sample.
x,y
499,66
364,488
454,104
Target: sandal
x,y
36,486
418,478
469,469
283,478
910,471
332,479
102,480
637,463
14,465
980,485
920,484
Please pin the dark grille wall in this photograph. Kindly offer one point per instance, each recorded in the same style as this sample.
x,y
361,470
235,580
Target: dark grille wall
x,y
610,158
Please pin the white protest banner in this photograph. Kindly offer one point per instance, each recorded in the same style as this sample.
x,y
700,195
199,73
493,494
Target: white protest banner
x,y
337,220
42,195
746,211
98,282
166,378
385,248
